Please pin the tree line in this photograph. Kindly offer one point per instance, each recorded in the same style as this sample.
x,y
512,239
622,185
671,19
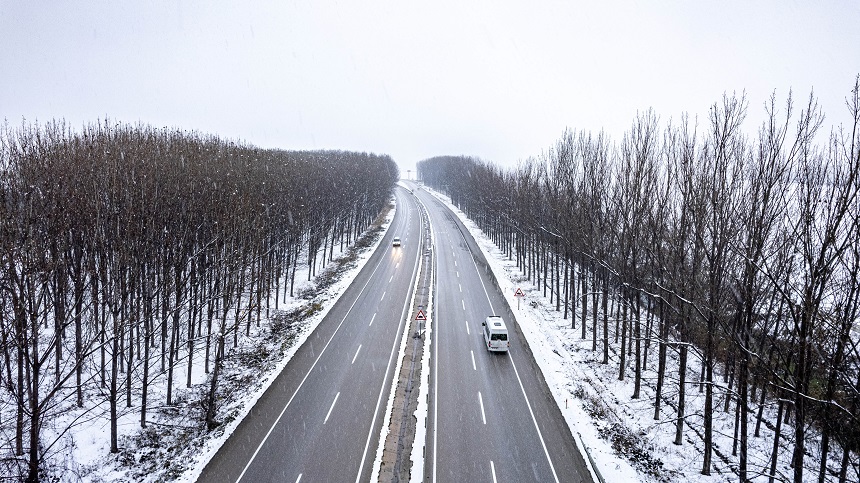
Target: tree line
x,y
696,239
127,252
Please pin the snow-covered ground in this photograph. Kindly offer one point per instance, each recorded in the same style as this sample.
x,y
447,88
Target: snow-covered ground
x,y
619,433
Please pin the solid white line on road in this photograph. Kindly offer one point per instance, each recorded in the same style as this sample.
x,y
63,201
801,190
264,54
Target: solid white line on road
x,y
371,320
356,354
534,421
332,407
481,402
473,361
493,470
467,328
299,478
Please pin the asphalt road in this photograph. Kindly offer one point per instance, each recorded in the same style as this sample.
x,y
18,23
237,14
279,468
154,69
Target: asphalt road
x,y
492,416
321,418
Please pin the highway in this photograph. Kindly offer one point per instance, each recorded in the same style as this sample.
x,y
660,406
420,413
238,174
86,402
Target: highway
x,y
321,418
492,417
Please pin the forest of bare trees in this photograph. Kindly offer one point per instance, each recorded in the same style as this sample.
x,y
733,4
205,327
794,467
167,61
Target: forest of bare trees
x,y
694,239
127,249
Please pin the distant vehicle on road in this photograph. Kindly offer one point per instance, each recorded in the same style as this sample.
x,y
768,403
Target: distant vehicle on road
x,y
496,334
396,241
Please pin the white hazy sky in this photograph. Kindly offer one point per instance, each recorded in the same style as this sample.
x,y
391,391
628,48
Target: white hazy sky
x,y
498,79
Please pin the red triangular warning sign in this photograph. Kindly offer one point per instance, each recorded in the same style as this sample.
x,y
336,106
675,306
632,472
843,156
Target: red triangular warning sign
x,y
420,315
519,293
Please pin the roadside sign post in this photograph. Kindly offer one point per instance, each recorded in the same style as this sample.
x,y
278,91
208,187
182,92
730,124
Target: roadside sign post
x,y
519,295
421,317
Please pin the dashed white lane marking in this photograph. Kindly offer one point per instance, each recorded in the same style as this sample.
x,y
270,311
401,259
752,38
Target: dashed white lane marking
x,y
493,470
481,402
383,296
332,407
356,354
371,320
464,304
299,478
473,361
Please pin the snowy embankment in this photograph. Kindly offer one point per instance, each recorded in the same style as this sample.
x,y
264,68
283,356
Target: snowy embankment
x,y
620,433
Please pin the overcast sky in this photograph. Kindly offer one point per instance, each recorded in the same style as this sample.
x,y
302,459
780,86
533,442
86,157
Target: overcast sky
x,y
499,79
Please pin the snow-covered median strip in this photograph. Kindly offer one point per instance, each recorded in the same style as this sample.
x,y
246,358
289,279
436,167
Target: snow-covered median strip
x,y
416,458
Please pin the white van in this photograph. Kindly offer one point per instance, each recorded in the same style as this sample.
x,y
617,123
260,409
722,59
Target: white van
x,y
496,334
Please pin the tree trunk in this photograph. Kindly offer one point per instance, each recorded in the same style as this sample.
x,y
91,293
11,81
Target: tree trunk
x,y
623,352
194,309
646,342
21,335
147,341
59,317
574,287
776,434
682,379
566,283
661,359
35,409
79,345
583,276
743,401
637,379
801,385
708,441
594,297
112,393
605,318
211,401
130,361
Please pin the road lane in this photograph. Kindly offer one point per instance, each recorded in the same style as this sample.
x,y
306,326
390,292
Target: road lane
x,y
513,431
